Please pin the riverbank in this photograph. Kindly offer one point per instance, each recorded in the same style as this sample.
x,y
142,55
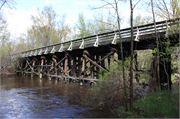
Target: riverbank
x,y
6,73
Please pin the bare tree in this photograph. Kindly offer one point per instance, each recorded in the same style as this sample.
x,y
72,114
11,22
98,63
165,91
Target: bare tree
x,y
9,3
114,5
122,57
157,43
132,53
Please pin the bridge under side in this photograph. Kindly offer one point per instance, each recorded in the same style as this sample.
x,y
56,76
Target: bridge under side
x,y
82,61
86,64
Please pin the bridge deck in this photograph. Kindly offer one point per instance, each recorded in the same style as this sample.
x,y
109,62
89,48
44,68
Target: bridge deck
x,y
142,32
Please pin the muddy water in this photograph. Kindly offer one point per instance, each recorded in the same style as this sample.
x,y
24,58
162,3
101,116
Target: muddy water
x,y
27,97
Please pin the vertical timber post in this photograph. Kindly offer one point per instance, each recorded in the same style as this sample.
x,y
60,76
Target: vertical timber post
x,y
97,69
111,61
32,70
92,69
79,65
65,65
69,65
103,63
41,69
48,67
83,68
74,67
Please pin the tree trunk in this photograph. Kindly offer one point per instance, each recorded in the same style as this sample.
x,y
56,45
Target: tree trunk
x,y
131,62
122,57
157,43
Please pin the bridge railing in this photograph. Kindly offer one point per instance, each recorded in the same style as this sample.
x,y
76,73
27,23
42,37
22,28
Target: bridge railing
x,y
146,30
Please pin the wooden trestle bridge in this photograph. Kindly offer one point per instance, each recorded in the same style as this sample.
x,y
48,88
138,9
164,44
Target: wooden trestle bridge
x,y
84,58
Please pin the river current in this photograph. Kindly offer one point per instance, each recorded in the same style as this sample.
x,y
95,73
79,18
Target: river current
x,y
26,97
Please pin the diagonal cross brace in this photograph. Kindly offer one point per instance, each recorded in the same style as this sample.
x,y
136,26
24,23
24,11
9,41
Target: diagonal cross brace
x,y
28,64
57,64
98,61
94,63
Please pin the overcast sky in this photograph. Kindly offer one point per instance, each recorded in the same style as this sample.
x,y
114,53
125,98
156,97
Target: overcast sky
x,y
19,18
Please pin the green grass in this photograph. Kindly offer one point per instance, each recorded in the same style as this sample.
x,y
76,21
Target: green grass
x,y
162,104
158,105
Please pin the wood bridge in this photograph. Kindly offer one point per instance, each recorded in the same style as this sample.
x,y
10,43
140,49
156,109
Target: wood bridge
x,y
84,58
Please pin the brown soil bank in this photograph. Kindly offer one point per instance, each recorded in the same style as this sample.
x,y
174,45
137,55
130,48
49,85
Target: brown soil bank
x,y
6,73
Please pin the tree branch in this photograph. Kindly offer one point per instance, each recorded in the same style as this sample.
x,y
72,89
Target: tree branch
x,y
3,4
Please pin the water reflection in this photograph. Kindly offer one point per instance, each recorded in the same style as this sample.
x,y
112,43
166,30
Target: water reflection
x,y
44,98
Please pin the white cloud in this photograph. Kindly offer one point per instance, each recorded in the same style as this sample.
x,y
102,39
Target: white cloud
x,y
18,21
47,2
85,2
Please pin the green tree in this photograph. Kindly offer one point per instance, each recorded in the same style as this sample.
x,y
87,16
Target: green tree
x,y
81,27
102,23
48,28
140,20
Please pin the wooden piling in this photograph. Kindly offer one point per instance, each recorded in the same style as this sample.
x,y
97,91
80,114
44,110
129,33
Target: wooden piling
x,y
92,68
32,70
65,65
83,66
97,69
74,67
79,65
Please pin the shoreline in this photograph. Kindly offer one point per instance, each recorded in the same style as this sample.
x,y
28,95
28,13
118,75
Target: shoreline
x,y
2,73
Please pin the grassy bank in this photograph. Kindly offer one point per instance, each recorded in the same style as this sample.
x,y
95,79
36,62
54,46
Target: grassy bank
x,y
162,104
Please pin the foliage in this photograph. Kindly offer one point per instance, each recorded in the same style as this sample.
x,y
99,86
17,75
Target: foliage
x,y
109,90
82,27
144,59
99,24
162,104
159,105
174,79
167,9
6,45
140,20
48,28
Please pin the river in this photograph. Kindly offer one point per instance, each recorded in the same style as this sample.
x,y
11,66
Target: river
x,y
26,97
